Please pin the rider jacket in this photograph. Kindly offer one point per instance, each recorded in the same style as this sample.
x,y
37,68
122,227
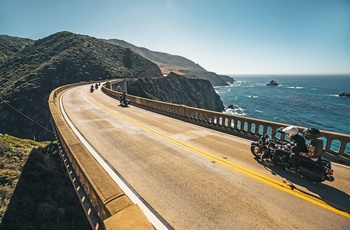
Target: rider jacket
x,y
314,149
296,144
123,96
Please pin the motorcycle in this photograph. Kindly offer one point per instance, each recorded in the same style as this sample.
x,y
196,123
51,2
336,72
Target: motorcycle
x,y
124,102
92,89
265,148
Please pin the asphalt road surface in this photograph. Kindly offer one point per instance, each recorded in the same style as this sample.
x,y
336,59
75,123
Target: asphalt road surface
x,y
197,178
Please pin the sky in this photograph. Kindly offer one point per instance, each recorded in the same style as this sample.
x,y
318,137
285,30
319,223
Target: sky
x,y
222,36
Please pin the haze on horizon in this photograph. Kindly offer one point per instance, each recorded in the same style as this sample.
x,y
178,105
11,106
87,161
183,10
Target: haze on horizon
x,y
223,36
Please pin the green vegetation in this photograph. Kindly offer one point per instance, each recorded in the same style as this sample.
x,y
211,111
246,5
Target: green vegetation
x,y
11,45
35,189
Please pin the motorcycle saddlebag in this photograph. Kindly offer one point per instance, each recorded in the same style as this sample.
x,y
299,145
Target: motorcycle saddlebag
x,y
312,172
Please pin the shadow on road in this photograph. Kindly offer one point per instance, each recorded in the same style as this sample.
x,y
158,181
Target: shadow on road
x,y
328,194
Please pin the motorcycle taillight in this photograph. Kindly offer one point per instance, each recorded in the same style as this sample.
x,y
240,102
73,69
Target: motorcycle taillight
x,y
330,172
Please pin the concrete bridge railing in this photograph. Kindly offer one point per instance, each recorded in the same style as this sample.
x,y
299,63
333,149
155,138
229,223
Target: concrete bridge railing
x,y
237,125
114,209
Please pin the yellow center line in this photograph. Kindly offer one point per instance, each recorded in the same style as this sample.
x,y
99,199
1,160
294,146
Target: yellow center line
x,y
265,179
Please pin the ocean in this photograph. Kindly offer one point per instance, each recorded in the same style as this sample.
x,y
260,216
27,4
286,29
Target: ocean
x,y
309,101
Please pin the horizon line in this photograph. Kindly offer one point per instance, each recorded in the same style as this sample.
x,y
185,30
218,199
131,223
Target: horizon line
x,y
285,74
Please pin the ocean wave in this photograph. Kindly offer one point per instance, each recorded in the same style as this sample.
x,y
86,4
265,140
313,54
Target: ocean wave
x,y
235,111
235,85
295,87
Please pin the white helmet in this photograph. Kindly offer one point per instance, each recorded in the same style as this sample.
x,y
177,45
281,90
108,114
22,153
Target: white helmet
x,y
291,130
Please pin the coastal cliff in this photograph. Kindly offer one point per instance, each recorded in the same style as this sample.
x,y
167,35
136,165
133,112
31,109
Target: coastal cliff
x,y
177,89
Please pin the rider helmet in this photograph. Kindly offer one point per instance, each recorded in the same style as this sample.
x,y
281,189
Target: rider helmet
x,y
291,131
311,133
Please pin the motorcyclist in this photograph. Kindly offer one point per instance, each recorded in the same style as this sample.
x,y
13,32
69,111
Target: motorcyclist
x,y
314,149
92,88
296,145
123,98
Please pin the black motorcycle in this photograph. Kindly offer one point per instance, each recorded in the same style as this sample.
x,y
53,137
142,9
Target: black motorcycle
x,y
124,102
92,89
265,148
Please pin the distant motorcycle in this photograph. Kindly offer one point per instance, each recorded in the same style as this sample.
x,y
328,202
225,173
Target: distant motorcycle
x,y
265,148
92,89
123,99
124,102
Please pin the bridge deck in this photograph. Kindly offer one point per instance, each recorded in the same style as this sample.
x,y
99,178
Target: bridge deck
x,y
197,178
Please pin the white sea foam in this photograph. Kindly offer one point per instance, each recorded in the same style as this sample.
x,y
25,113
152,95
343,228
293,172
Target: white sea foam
x,y
235,111
296,87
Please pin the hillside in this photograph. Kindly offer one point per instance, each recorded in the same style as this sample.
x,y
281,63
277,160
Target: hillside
x,y
177,64
11,45
29,75
172,62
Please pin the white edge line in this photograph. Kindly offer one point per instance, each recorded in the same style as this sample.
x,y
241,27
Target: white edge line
x,y
132,196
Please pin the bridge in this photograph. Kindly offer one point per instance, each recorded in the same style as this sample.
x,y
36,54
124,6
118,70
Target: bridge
x,y
156,165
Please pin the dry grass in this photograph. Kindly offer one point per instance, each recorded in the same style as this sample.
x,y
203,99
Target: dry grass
x,y
166,69
14,153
